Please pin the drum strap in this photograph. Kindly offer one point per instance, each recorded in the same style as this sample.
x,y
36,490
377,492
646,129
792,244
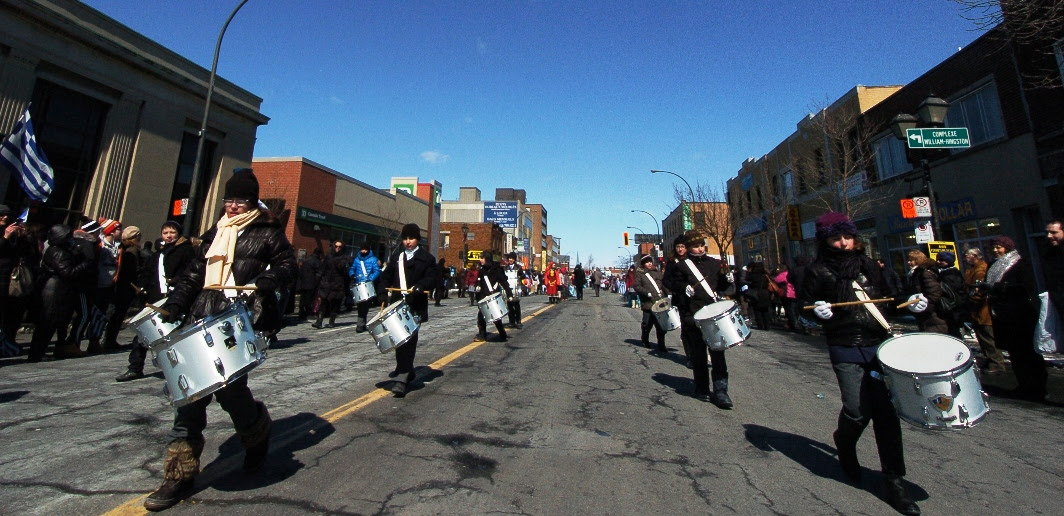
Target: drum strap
x,y
491,288
863,296
701,279
653,284
402,271
363,265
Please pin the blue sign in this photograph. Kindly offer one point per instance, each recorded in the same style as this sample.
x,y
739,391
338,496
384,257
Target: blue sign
x,y
957,211
503,213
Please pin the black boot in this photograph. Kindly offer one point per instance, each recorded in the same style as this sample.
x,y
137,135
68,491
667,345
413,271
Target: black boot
x,y
400,387
129,375
257,441
360,326
720,393
332,321
179,475
845,437
898,498
317,324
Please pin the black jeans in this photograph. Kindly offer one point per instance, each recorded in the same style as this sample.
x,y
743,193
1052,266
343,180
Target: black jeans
x,y
514,308
650,321
236,399
866,398
699,354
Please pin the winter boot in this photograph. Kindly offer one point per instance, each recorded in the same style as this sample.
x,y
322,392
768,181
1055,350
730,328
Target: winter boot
x,y
400,387
332,321
129,375
256,441
360,326
845,438
898,498
317,324
720,394
179,475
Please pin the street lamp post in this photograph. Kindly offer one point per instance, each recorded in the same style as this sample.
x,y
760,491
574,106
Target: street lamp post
x,y
193,190
657,225
631,260
930,113
689,189
465,244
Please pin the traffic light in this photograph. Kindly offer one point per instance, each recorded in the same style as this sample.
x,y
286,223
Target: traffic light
x,y
625,238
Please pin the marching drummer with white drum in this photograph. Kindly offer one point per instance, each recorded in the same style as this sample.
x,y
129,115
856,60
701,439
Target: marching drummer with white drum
x,y
491,287
246,247
364,270
696,282
843,273
410,274
651,290
515,277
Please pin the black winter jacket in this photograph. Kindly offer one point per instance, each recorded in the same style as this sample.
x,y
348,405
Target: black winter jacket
x,y
309,273
681,276
262,244
647,293
333,277
850,326
421,275
62,268
493,272
175,256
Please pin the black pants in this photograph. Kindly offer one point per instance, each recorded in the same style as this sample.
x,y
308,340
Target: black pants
x,y
138,354
404,355
649,321
699,354
236,399
12,310
306,302
580,292
761,318
865,399
597,287
362,309
514,308
482,324
1029,366
116,313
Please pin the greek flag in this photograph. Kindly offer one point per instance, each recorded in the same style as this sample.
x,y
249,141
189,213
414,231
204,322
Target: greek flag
x,y
20,155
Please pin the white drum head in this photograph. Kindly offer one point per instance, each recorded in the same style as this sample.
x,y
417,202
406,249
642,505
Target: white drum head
x,y
713,310
146,312
387,311
924,353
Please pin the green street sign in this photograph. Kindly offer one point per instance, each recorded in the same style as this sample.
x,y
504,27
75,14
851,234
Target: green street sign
x,y
938,138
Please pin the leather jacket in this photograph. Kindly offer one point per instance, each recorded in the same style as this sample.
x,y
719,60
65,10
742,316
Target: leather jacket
x,y
850,326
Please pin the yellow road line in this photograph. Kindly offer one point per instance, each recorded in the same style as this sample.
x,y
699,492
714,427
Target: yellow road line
x,y
136,505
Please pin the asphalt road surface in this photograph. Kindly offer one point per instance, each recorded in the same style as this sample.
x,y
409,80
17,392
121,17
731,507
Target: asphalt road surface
x,y
570,416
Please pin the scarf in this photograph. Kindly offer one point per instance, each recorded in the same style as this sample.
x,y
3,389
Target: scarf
x,y
1001,266
848,265
220,254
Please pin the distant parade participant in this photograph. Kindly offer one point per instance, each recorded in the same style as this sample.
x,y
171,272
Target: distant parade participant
x,y
853,335
490,280
515,277
579,280
650,288
551,280
412,271
596,280
696,282
670,276
156,280
364,269
332,285
246,247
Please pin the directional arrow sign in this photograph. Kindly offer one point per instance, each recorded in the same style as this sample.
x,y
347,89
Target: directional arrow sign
x,y
938,138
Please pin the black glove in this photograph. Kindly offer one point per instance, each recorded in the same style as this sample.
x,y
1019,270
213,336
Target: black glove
x,y
173,313
265,285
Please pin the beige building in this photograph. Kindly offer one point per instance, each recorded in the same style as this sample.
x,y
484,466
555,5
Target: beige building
x,y
712,218
117,115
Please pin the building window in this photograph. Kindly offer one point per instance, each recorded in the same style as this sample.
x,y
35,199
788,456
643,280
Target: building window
x,y
1058,49
446,241
976,234
69,127
183,180
890,157
980,112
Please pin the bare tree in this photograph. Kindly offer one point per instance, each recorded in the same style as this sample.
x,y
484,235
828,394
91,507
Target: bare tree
x,y
391,217
1033,25
709,213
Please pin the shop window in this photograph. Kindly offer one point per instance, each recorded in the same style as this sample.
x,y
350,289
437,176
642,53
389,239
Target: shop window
x,y
980,112
976,234
183,180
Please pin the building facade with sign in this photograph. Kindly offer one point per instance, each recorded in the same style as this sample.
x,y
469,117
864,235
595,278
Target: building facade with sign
x,y
705,216
321,205
118,117
524,225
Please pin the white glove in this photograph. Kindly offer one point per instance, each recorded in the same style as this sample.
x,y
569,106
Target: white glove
x,y
744,288
920,305
730,277
690,291
823,310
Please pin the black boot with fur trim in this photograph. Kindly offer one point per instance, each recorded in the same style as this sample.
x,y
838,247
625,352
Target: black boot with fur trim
x,y
179,475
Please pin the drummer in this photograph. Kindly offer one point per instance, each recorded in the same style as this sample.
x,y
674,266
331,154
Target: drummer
x,y
364,269
515,277
650,288
490,279
692,294
412,271
246,247
853,333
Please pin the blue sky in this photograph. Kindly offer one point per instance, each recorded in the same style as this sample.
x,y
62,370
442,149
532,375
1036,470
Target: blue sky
x,y
573,101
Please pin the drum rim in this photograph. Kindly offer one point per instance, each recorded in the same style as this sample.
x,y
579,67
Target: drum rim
x,y
970,361
946,427
734,306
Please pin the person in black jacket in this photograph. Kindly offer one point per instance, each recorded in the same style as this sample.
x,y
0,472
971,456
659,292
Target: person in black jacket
x,y
579,280
670,276
246,247
1014,307
952,284
331,286
62,268
16,249
307,283
155,279
515,278
691,295
649,286
491,279
853,334
411,272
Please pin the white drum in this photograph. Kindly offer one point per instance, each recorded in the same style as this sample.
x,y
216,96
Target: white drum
x,y
393,327
364,291
668,316
932,381
150,326
207,355
493,307
722,325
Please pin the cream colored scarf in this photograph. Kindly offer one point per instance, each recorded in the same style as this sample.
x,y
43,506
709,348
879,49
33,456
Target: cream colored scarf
x,y
220,254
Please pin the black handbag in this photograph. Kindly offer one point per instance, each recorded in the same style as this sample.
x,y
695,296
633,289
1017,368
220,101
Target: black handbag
x,y
21,284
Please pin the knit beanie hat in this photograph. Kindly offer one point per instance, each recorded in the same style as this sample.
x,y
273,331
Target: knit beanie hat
x,y
694,238
108,226
1003,241
90,226
834,223
410,231
243,185
4,210
947,257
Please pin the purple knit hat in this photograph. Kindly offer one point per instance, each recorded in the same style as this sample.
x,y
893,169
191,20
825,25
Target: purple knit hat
x,y
834,223
1003,241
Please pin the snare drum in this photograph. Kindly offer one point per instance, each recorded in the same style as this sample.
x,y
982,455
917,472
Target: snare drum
x,y
150,326
932,381
493,307
364,291
722,325
207,355
668,316
393,327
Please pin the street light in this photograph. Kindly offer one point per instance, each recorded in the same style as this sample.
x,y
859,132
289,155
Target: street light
x,y
689,189
656,224
635,228
930,113
465,244
631,260
194,187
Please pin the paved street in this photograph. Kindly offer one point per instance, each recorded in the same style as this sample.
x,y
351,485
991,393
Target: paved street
x,y
571,416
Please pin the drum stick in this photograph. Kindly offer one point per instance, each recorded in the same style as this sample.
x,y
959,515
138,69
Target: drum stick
x,y
390,289
852,303
907,303
166,313
231,287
